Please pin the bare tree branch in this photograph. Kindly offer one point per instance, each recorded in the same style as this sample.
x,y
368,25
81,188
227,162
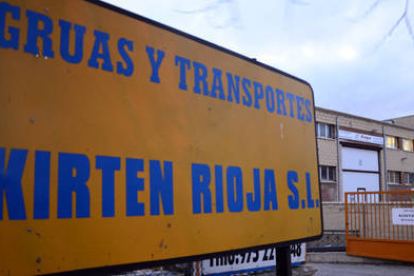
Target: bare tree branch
x,y
404,16
408,22
213,6
371,9
396,24
233,18
299,2
410,29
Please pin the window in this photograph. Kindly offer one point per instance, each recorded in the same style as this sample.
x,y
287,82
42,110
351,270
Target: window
x,y
407,145
392,142
394,177
324,130
409,178
327,173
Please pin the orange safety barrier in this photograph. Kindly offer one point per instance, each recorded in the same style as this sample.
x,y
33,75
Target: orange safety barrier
x,y
380,225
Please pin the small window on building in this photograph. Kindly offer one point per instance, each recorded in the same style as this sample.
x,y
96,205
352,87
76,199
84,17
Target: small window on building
x,y
409,178
394,177
392,142
324,130
327,173
407,144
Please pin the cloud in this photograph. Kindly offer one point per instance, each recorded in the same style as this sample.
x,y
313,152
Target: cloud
x,y
337,46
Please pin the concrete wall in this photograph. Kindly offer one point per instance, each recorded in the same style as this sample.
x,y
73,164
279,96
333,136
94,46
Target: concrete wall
x,y
327,153
333,215
405,121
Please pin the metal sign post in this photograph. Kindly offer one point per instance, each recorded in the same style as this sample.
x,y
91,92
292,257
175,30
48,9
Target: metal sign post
x,y
283,261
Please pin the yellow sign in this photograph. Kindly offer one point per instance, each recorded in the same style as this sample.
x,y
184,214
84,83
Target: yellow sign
x,y
124,141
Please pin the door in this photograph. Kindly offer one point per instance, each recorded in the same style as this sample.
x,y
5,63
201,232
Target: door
x,y
360,170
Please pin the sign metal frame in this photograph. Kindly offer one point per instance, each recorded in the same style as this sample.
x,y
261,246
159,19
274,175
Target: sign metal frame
x,y
157,166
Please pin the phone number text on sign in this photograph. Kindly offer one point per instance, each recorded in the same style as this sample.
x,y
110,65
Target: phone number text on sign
x,y
250,261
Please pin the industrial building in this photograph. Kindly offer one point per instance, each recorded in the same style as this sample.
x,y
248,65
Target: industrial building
x,y
361,154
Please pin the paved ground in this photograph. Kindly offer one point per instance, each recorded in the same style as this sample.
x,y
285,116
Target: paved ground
x,y
327,269
323,269
322,264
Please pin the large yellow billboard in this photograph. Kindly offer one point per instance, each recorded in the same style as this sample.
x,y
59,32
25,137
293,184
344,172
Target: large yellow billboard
x,y
125,141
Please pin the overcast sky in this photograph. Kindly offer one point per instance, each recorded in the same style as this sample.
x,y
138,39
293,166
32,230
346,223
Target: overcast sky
x,y
342,48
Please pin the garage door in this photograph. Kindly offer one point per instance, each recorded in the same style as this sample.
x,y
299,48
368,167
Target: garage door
x,y
360,170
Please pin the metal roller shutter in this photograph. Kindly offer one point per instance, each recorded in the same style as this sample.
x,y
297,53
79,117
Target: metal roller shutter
x,y
360,170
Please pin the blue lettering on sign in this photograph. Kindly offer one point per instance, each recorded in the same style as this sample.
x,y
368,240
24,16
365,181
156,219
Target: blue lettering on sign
x,y
308,110
101,51
254,200
34,32
161,186
128,69
292,178
219,189
294,199
134,184
41,185
258,94
13,32
203,191
74,174
270,196
74,169
281,108
270,99
247,98
65,28
108,165
185,64
217,85
40,29
207,81
11,183
235,189
300,102
291,99
155,63
233,85
70,183
275,98
200,78
311,202
201,188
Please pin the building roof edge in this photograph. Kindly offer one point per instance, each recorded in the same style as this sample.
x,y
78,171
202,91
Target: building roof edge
x,y
384,123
